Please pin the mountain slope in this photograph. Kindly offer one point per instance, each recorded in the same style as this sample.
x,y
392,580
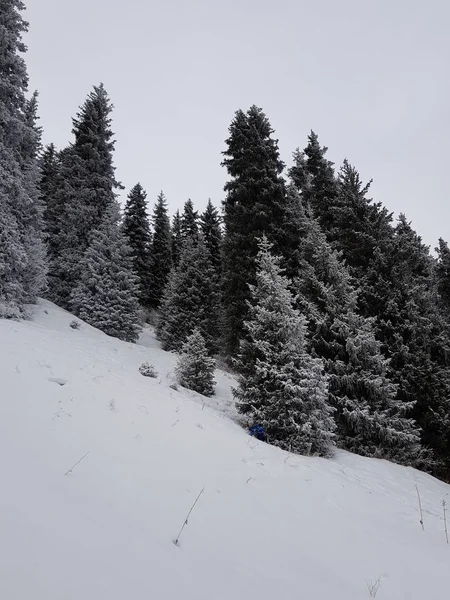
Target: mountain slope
x,y
268,525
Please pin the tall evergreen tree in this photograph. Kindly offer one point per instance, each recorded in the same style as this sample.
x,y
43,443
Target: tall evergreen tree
x,y
442,276
107,293
360,226
189,222
22,260
399,289
191,300
161,252
254,206
177,241
48,185
281,387
86,189
136,228
210,226
313,173
370,419
35,275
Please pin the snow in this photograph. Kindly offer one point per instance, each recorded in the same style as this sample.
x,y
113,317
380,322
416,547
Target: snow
x,y
269,525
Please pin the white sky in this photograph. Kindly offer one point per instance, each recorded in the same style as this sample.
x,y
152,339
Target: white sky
x,y
371,77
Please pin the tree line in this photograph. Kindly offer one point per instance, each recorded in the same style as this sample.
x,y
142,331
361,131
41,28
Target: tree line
x,y
334,315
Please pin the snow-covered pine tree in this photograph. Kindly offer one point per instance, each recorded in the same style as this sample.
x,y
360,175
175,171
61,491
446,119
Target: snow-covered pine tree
x,y
442,277
189,222
177,241
320,183
136,228
22,260
195,368
86,188
282,387
107,293
48,185
35,275
370,419
254,206
191,300
210,226
161,252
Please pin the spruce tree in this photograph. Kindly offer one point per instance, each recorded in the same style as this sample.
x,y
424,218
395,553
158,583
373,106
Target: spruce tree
x,y
210,226
176,239
189,222
191,300
281,387
195,369
318,183
370,419
86,189
22,257
161,252
48,185
442,277
107,293
136,228
254,206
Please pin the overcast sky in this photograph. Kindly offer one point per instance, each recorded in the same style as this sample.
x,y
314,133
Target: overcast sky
x,y
371,77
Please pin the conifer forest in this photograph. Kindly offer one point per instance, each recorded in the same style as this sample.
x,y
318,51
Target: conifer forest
x,y
333,315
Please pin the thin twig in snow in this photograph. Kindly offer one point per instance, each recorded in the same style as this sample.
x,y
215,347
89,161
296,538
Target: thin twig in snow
x,y
77,463
176,541
420,508
444,508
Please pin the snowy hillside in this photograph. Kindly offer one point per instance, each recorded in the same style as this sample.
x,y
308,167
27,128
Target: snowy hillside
x,y
269,526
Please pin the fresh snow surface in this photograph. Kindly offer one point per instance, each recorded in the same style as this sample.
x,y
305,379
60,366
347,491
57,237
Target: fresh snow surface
x,y
268,526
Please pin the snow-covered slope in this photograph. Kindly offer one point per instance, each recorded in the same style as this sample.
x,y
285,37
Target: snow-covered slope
x,y
268,526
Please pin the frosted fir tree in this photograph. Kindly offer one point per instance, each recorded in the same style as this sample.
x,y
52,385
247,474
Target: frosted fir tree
x,y
106,296
191,300
281,387
189,222
136,228
370,420
177,241
22,260
161,252
35,275
210,227
195,368
86,189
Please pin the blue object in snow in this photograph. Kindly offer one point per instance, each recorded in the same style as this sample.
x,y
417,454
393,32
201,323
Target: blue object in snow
x,y
258,432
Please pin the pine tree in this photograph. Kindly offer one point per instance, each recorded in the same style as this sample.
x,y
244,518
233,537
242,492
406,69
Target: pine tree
x,y
191,300
86,189
136,228
442,276
189,222
319,183
210,222
254,206
370,419
195,369
360,226
48,185
35,275
107,293
281,387
161,252
22,257
399,288
176,239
